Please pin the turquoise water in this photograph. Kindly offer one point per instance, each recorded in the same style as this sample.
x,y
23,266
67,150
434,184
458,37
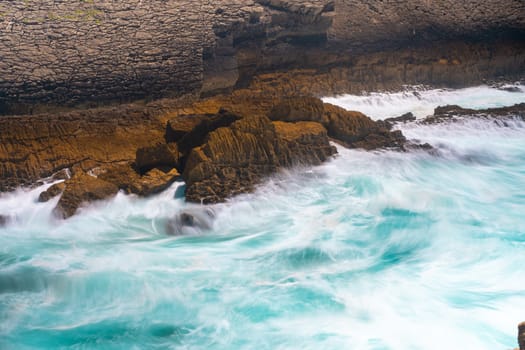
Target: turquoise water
x,y
378,250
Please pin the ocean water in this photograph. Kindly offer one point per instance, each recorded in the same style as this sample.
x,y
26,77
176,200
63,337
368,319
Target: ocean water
x,y
373,250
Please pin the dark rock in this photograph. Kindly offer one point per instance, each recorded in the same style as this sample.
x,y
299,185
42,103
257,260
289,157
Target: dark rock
x,y
407,117
179,126
521,335
454,112
81,189
161,155
198,134
191,221
510,89
52,192
4,220
64,174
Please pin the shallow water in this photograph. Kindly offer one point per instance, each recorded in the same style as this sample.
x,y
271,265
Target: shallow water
x,y
377,250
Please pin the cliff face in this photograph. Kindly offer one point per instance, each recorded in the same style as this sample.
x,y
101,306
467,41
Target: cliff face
x,y
90,52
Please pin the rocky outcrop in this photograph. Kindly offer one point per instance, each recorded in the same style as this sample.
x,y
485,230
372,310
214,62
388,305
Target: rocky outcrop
x,y
52,192
353,129
236,158
80,53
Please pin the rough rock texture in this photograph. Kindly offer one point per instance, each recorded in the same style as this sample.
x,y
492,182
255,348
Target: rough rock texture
x,y
161,155
91,52
521,335
234,159
81,189
34,147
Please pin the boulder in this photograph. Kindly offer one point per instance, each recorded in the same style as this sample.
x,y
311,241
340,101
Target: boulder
x,y
52,192
356,130
81,189
299,109
161,155
234,159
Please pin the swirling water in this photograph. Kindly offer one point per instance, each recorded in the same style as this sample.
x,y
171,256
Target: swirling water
x,y
373,250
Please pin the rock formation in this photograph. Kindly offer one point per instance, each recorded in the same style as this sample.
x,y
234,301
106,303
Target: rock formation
x,y
78,52
453,113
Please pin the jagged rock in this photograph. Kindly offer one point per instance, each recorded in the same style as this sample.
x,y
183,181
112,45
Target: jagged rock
x,y
81,189
521,335
52,192
161,155
127,179
236,158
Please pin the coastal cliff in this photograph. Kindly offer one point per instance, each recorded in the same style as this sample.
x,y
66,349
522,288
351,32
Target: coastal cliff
x,y
88,53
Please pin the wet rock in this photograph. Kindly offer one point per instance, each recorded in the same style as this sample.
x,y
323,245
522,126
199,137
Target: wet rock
x,y
236,158
64,174
510,89
81,189
127,179
191,221
407,117
161,155
52,192
356,130
453,113
521,335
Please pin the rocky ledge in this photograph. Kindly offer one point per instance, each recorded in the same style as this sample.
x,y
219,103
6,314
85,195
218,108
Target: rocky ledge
x,y
220,147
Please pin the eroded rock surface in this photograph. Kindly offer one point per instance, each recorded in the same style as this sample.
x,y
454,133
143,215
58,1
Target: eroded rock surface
x,y
453,113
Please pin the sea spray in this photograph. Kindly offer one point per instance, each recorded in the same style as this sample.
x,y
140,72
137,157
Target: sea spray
x,y
373,250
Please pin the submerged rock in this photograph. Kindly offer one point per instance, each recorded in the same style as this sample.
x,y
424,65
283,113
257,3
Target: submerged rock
x,y
191,220
80,189
4,220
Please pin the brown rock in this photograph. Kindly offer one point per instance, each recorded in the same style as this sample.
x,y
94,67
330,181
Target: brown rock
x,y
52,192
299,109
127,179
81,189
236,158
161,155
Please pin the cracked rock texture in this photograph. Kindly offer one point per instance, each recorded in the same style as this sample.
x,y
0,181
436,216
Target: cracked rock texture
x,y
90,52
